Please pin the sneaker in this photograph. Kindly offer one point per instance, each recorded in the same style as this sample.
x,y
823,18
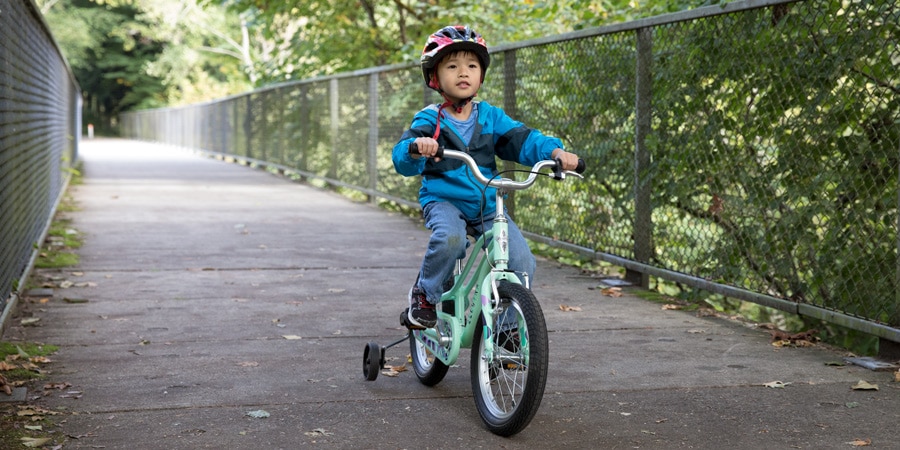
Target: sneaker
x,y
421,313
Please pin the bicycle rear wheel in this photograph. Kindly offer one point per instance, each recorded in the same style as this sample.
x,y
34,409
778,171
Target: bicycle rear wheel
x,y
429,369
509,387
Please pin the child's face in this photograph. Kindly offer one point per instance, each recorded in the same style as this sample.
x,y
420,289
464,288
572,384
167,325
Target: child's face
x,y
459,75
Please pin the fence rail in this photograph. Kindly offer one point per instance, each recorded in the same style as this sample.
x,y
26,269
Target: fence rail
x,y
40,113
749,150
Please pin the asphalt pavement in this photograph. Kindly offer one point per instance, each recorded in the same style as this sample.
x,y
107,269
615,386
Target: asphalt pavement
x,y
220,306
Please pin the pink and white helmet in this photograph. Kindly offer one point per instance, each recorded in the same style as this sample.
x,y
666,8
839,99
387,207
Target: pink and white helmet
x,y
452,39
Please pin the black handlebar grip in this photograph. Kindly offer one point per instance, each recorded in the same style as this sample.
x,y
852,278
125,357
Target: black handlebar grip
x,y
581,167
414,150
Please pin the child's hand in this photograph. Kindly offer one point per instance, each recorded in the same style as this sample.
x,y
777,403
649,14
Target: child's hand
x,y
428,147
569,160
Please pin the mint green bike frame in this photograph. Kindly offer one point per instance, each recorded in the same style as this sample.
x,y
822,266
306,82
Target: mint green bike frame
x,y
475,284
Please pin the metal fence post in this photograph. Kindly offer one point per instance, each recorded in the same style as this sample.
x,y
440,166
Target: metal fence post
x,y
643,234
373,135
511,108
335,128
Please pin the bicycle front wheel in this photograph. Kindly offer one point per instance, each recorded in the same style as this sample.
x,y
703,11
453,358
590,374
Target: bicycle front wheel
x,y
509,385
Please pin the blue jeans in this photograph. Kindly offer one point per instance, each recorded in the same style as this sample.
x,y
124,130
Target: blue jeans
x,y
448,243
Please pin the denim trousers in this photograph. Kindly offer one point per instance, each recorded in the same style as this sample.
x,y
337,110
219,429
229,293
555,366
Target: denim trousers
x,y
448,243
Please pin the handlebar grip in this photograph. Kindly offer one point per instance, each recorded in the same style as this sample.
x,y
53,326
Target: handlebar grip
x,y
414,150
581,166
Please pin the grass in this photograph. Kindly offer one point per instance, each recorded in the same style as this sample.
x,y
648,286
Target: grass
x,y
26,425
21,424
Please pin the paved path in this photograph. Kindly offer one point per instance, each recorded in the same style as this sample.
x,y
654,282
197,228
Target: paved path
x,y
198,269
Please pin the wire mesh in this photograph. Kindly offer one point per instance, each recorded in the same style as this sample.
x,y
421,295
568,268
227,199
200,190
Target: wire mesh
x,y
39,125
769,163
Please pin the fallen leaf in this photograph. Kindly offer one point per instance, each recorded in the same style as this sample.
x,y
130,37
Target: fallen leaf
x,y
39,359
568,308
393,371
319,432
4,385
671,307
258,414
7,366
864,386
612,292
860,442
66,284
776,384
30,321
291,337
248,364
34,442
897,376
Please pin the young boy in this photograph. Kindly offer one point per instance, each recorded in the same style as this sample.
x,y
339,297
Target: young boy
x,y
454,62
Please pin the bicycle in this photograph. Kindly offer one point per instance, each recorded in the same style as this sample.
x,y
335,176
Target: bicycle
x,y
488,308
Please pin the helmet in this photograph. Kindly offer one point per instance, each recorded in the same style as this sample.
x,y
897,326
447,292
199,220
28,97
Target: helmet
x,y
452,39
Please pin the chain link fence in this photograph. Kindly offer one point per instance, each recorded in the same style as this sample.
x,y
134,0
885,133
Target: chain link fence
x,y
40,113
749,150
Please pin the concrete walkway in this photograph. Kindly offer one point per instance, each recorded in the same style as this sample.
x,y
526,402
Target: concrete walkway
x,y
207,291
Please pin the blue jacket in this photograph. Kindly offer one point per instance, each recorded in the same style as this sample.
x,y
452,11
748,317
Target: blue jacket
x,y
495,135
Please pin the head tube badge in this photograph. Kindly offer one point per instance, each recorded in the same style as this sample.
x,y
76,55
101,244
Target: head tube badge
x,y
503,241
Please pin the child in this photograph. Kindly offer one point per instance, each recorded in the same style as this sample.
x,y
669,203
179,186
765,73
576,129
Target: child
x,y
454,62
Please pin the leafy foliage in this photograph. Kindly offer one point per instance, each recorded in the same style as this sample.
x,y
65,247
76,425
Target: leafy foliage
x,y
138,54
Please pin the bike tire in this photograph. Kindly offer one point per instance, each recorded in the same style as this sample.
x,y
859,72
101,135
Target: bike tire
x,y
508,389
429,369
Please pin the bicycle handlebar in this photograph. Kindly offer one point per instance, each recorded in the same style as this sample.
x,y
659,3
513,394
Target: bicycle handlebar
x,y
505,183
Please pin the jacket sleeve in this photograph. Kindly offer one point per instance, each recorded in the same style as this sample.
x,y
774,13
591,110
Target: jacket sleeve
x,y
405,164
516,142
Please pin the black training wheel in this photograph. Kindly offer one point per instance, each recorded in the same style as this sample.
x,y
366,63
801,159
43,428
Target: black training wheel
x,y
372,361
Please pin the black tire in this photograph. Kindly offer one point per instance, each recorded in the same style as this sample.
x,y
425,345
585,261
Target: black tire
x,y
429,369
509,388
371,361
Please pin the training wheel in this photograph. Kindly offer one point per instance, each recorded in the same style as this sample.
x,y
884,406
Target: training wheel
x,y
373,361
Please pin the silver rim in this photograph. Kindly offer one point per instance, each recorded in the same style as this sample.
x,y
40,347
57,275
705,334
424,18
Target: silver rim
x,y
503,379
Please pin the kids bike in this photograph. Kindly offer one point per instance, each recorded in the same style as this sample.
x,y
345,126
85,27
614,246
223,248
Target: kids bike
x,y
488,308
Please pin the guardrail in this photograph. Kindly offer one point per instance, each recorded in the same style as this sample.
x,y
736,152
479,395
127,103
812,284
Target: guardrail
x,y
750,149
40,114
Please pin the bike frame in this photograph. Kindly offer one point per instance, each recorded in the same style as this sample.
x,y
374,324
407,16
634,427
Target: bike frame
x,y
487,267
477,280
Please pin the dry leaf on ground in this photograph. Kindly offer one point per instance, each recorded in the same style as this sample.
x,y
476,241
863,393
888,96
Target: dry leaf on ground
x,y
568,308
612,292
864,386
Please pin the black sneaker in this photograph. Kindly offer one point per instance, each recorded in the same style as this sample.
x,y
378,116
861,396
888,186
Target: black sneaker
x,y
421,313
